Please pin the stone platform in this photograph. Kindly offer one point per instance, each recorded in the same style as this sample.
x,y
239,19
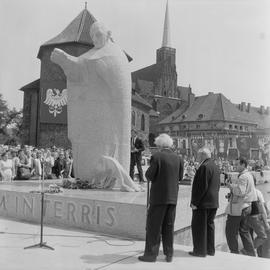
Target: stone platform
x,y
104,211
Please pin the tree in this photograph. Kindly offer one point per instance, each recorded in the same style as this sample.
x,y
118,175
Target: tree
x,y
10,122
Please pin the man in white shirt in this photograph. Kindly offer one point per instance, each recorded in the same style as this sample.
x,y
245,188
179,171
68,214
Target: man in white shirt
x,y
242,193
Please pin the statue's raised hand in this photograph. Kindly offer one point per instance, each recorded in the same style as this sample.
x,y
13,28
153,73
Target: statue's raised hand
x,y
58,56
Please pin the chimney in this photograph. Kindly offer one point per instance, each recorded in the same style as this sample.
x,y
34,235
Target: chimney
x,y
191,98
243,106
248,107
261,109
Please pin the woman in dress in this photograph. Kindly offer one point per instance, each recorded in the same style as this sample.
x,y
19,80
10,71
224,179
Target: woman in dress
x,y
48,164
6,168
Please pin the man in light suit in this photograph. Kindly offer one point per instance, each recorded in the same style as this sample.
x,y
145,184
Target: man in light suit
x,y
137,147
204,204
165,171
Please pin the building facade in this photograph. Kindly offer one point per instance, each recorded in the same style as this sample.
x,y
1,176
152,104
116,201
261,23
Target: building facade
x,y
229,130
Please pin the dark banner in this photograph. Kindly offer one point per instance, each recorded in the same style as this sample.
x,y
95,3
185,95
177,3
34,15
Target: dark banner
x,y
53,103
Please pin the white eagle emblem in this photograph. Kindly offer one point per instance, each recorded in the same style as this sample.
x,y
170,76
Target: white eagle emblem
x,y
55,100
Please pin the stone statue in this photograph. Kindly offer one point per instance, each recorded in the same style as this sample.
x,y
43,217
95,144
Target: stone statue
x,y
99,110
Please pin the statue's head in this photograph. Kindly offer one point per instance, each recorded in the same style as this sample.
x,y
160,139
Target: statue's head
x,y
99,34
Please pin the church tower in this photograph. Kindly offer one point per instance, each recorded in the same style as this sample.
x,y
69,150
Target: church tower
x,y
165,56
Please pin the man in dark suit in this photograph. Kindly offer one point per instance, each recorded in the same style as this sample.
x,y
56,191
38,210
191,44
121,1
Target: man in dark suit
x,y
204,203
165,171
137,147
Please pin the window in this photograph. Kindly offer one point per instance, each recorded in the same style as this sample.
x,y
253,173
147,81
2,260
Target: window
x,y
198,126
133,118
241,127
184,126
200,116
235,127
230,126
143,122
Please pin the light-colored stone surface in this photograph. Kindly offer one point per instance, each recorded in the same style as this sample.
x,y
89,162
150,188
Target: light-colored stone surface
x,y
99,108
76,250
112,212
110,217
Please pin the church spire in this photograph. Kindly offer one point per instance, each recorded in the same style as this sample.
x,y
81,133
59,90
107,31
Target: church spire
x,y
166,41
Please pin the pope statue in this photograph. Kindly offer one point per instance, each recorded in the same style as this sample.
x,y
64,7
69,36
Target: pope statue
x,y
99,111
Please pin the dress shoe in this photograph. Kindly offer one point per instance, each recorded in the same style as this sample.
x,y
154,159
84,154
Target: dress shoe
x,y
211,253
169,258
192,253
147,258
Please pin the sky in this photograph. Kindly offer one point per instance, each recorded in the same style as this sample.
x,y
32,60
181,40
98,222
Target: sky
x,y
222,46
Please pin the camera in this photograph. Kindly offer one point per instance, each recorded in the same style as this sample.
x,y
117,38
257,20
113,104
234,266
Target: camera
x,y
228,196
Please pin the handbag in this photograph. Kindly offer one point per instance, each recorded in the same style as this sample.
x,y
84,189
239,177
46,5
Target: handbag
x,y
255,208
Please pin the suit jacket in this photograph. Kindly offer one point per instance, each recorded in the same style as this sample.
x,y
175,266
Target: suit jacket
x,y
165,171
206,184
139,146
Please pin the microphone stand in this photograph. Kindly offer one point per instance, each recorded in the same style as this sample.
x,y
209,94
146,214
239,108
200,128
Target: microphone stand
x,y
41,244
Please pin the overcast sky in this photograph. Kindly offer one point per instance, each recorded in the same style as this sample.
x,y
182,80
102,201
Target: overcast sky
x,y
222,46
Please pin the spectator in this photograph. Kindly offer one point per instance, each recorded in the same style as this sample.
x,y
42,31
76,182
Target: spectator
x,y
59,165
204,204
165,171
257,221
6,167
48,164
24,168
242,193
15,163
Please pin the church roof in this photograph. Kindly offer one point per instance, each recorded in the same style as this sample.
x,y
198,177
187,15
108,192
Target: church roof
x,y
216,107
137,98
76,31
166,40
149,73
32,85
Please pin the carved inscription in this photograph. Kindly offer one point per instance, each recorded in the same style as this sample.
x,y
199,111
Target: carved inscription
x,y
67,211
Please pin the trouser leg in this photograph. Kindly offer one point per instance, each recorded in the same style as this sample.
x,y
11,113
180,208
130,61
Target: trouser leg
x,y
139,167
256,223
211,213
199,231
132,164
168,230
155,218
231,231
245,234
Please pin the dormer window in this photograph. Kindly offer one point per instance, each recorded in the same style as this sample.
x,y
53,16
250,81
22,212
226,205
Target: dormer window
x,y
184,116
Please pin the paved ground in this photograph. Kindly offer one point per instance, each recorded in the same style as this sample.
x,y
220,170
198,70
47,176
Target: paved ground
x,y
84,251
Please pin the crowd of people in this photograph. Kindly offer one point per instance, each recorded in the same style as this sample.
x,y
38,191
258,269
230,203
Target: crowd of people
x,y
30,163
246,211
225,166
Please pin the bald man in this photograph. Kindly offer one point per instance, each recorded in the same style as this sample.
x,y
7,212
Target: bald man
x,y
204,204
